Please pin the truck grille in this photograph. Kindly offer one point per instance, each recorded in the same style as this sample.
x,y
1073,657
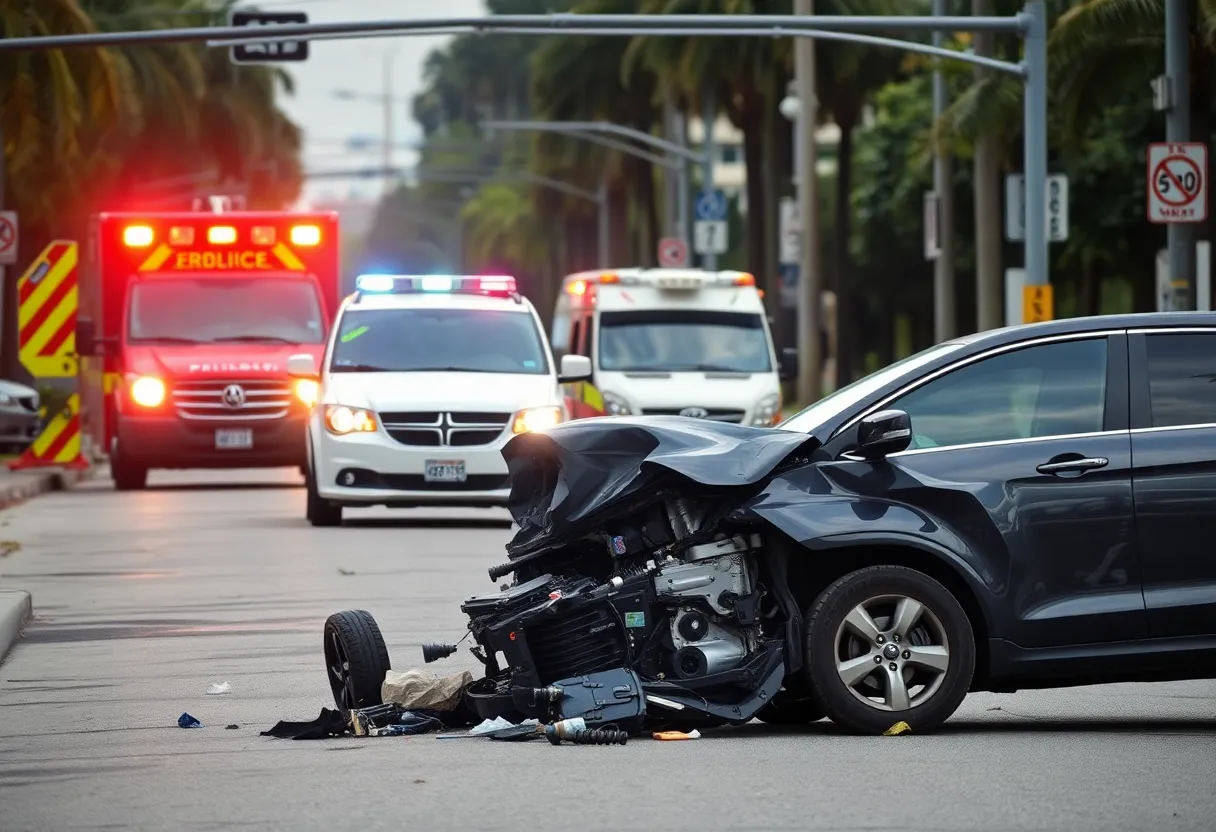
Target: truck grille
x,y
735,416
232,400
437,429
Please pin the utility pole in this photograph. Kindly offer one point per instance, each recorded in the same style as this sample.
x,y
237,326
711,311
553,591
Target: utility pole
x,y
1180,235
944,316
810,365
388,120
989,274
709,116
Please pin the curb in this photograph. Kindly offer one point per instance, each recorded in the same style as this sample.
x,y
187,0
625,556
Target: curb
x,y
16,607
41,483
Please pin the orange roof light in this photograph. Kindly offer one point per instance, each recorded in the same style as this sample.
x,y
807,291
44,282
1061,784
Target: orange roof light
x,y
181,235
609,277
137,236
745,280
305,235
221,235
578,287
263,235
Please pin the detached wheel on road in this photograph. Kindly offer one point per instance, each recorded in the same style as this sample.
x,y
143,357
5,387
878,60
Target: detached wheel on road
x,y
319,511
887,644
127,475
356,659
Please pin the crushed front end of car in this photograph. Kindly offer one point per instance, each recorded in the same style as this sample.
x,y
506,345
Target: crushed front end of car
x,y
643,591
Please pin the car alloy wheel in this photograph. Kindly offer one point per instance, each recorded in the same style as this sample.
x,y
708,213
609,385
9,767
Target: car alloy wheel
x,y
892,652
888,644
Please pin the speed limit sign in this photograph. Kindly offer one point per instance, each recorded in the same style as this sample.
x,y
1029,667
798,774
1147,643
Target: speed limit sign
x,y
1177,182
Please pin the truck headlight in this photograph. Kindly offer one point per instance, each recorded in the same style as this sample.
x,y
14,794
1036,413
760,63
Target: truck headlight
x,y
768,411
614,405
341,420
534,419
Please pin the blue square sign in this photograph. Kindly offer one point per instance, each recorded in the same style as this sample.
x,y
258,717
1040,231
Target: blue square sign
x,y
711,205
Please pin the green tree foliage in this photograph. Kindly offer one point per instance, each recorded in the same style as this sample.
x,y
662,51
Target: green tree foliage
x,y
84,130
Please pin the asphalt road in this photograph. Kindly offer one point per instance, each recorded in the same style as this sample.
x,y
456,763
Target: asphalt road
x,y
144,600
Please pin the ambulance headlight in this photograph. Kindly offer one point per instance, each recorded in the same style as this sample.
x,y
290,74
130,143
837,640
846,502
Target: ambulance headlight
x,y
342,420
768,411
614,405
148,391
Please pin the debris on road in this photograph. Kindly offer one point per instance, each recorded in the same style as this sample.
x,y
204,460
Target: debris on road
x,y
670,736
231,727
328,724
342,571
419,689
7,547
216,690
187,721
898,728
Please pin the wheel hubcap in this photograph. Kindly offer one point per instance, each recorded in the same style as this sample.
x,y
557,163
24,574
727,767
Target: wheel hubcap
x,y
892,652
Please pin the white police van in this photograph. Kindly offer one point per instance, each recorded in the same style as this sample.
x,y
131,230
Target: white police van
x,y
424,379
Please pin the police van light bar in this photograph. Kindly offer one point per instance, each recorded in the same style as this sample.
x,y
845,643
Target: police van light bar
x,y
221,235
498,285
693,281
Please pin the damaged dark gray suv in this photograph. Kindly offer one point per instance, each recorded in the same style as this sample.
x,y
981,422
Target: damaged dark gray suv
x,y
1025,508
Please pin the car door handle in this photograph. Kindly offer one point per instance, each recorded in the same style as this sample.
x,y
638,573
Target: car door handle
x,y
1068,465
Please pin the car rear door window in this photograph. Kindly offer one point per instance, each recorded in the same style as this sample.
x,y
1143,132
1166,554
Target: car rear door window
x,y
1054,389
1182,378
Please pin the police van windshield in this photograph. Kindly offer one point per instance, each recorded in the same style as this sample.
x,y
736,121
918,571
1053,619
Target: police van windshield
x,y
203,310
684,340
438,340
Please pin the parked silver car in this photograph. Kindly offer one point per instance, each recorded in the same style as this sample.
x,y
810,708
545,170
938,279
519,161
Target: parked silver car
x,y
19,417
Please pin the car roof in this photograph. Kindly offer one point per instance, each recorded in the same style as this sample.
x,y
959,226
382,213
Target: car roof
x,y
371,300
1094,323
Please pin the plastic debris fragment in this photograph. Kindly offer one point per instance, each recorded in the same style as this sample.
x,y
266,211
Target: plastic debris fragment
x,y
670,736
187,721
898,728
216,690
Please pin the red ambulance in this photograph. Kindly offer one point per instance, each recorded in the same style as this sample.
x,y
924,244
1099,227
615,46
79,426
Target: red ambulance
x,y
185,326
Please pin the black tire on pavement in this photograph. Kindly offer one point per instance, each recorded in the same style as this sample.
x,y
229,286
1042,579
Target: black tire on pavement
x,y
127,476
356,659
319,511
826,621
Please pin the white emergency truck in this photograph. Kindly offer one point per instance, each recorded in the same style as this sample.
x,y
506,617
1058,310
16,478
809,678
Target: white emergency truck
x,y
683,342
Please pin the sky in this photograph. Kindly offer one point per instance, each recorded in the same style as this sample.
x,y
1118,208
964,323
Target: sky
x,y
359,66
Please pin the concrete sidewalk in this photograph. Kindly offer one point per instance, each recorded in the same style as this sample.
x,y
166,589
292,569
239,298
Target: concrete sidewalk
x,y
16,487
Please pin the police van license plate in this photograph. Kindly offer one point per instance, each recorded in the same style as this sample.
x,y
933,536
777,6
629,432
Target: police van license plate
x,y
444,470
227,439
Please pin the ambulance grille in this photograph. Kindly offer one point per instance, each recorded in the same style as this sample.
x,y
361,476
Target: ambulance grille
x,y
223,401
714,415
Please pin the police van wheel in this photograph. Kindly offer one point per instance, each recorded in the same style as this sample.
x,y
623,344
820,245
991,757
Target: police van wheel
x,y
319,511
127,476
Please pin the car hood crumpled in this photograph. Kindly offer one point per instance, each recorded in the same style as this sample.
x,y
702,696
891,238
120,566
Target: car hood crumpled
x,y
573,472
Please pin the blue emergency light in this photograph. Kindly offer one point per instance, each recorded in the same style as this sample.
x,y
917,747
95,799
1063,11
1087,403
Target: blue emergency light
x,y
496,285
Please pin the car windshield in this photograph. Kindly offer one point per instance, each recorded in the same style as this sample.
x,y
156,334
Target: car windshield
x,y
684,340
438,340
190,310
849,396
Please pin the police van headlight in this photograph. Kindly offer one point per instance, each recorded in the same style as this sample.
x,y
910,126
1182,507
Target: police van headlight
x,y
342,420
535,419
614,405
768,411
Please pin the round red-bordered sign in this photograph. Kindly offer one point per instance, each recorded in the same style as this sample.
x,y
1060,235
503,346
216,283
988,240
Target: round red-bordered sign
x,y
8,235
1167,180
673,253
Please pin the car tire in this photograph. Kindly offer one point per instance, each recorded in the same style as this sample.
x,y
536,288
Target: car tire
x,y
356,659
318,510
127,476
915,626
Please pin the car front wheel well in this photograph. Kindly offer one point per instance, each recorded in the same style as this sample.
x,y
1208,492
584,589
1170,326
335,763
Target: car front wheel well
x,y
814,572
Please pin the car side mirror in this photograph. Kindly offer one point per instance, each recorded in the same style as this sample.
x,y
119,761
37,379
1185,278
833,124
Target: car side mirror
x,y
574,368
884,433
302,366
787,365
86,337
